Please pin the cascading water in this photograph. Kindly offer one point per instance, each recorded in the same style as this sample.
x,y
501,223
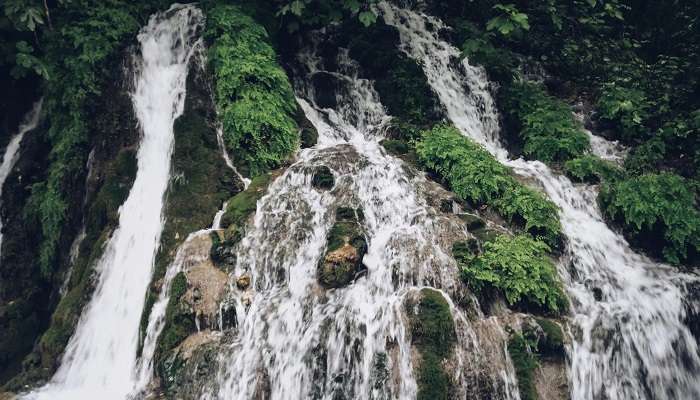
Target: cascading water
x,y
12,150
100,359
293,338
629,344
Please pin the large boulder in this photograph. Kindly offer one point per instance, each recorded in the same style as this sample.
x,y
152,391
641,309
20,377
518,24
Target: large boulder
x,y
345,248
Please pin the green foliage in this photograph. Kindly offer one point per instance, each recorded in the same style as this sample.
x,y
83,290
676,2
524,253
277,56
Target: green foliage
x,y
253,95
476,176
509,20
434,335
589,168
657,210
545,125
25,15
324,12
625,108
521,268
525,364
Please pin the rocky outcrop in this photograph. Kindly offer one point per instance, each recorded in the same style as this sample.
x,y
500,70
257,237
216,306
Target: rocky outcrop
x,y
345,248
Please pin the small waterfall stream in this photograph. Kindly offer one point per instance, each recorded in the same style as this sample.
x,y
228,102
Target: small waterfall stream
x,y
31,120
295,339
632,344
100,359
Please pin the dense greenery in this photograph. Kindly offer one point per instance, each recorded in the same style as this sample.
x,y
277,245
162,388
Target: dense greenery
x,y
591,169
434,335
253,95
658,210
477,177
518,266
545,125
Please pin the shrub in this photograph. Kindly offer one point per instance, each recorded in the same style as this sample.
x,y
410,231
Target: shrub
x,y
590,169
658,211
477,177
253,95
625,108
518,266
546,126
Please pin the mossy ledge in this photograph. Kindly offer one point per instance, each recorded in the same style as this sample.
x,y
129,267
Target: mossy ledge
x,y
433,335
346,245
200,180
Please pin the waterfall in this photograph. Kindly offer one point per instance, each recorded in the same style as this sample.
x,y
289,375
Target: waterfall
x,y
31,120
629,344
100,359
295,339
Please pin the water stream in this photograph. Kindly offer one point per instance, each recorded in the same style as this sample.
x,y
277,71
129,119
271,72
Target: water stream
x,y
9,159
630,344
297,340
100,359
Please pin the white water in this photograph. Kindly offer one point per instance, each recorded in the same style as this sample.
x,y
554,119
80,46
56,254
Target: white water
x,y
630,345
12,150
100,359
297,340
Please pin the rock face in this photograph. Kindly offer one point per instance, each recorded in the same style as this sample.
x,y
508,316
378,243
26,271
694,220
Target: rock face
x,y
323,179
345,248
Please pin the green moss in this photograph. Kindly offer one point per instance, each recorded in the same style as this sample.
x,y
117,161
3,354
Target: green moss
x,y
544,124
520,267
525,364
323,178
433,334
334,272
590,169
179,322
553,341
253,95
243,204
478,178
657,212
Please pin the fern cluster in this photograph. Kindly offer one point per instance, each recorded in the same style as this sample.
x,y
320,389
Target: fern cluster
x,y
253,95
477,177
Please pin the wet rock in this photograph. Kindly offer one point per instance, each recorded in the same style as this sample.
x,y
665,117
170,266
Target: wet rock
x,y
307,131
190,367
206,288
447,206
325,87
323,178
243,282
345,248
597,294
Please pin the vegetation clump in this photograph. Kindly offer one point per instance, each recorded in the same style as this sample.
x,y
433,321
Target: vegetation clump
x,y
658,212
253,95
545,125
590,169
625,109
477,177
520,268
433,334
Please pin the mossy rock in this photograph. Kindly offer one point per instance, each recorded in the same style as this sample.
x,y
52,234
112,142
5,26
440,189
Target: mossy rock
x,y
346,245
242,205
433,334
524,363
552,342
323,178
179,319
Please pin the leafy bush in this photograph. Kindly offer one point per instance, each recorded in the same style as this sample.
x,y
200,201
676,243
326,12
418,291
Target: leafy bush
x,y
546,126
476,176
625,108
508,21
520,267
658,211
253,95
589,168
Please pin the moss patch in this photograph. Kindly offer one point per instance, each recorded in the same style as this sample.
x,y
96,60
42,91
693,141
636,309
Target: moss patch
x,y
346,245
242,205
524,363
433,334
